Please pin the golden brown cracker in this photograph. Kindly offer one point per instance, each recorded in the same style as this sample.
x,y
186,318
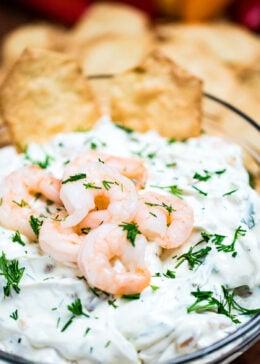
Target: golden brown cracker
x,y
110,18
230,43
45,94
29,36
112,53
157,95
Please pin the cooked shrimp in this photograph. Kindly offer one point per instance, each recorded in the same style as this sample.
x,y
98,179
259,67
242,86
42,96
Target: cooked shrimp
x,y
60,243
18,192
132,168
99,188
111,263
167,220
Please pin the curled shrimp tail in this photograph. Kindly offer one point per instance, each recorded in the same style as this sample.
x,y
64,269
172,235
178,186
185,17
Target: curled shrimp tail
x,y
111,263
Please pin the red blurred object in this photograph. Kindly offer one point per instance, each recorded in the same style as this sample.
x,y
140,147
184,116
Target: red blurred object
x,y
69,11
65,11
247,12
146,5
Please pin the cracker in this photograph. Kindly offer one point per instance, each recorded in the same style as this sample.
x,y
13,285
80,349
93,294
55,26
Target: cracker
x,y
203,63
112,53
230,43
157,95
233,84
110,18
45,94
29,36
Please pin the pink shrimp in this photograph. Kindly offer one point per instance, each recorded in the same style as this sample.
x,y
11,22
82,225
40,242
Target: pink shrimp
x,y
111,263
165,219
98,189
60,243
18,193
129,167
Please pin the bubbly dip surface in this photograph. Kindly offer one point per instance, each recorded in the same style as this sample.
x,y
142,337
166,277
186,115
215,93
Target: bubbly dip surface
x,y
165,320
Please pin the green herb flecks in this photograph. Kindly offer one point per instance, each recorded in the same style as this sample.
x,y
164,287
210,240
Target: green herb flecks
x,y
168,208
207,175
231,247
171,141
76,309
87,331
14,315
22,203
214,238
218,240
173,189
194,258
74,178
85,230
132,231
108,343
154,288
43,164
151,155
170,165
124,128
169,274
107,184
112,303
200,191
91,185
230,192
205,301
11,271
35,224
134,296
93,146
16,238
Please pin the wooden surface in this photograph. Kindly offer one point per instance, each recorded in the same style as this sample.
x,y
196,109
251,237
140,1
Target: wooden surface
x,y
11,16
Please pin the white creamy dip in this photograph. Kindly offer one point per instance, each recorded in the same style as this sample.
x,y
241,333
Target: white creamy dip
x,y
156,326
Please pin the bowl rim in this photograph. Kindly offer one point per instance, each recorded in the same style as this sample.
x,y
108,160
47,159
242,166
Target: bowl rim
x,y
251,326
234,109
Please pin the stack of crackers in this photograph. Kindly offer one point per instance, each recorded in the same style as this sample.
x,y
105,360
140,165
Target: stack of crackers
x,y
114,62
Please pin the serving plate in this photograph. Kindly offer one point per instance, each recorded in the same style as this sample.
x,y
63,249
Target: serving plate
x,y
221,119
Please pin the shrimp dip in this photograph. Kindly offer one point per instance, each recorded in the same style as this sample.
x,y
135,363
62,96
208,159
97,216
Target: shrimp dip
x,y
121,247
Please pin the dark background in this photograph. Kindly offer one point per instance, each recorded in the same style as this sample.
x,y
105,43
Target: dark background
x,y
13,15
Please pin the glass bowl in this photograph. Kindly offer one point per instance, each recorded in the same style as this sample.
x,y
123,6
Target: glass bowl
x,y
224,120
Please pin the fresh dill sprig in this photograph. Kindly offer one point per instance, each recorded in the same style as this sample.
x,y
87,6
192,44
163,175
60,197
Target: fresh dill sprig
x,y
107,184
74,178
76,309
230,192
193,257
35,224
22,203
199,191
91,185
207,175
11,271
16,238
133,296
231,247
169,274
14,315
131,229
173,189
112,302
124,128
168,208
43,164
205,301
218,240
